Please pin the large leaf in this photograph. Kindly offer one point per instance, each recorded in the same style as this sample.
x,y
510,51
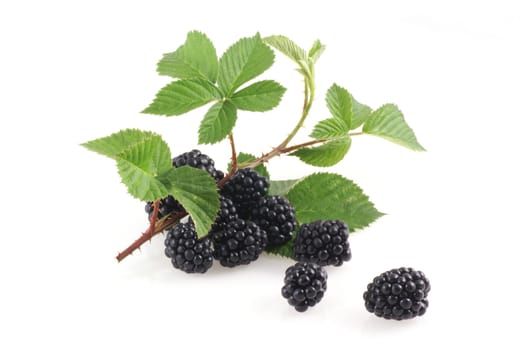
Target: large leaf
x,y
217,123
197,192
246,158
325,155
325,196
388,122
286,46
112,145
196,58
339,102
329,129
181,96
360,113
261,96
243,61
281,187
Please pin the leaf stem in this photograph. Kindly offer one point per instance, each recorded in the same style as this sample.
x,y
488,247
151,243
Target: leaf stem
x,y
234,159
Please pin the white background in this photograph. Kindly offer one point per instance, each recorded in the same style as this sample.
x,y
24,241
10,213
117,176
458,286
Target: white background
x,y
74,71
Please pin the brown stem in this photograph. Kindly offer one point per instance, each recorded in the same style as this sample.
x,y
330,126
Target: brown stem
x,y
234,160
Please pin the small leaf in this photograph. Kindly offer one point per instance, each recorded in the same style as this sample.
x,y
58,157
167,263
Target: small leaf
x,y
281,187
325,155
339,102
285,250
196,58
217,123
112,145
261,96
360,113
181,96
197,192
247,158
325,196
388,122
316,51
243,61
329,129
287,47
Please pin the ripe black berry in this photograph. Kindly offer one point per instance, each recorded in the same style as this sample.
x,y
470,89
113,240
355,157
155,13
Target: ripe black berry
x,y
398,294
239,243
305,284
186,251
197,159
245,188
167,206
277,217
226,215
323,242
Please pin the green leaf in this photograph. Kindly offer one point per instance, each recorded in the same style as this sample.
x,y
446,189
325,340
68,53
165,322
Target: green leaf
x,y
281,187
360,113
261,96
197,192
196,58
285,250
388,122
247,158
339,102
112,145
141,166
181,96
243,61
329,129
325,196
217,123
316,51
287,47
325,155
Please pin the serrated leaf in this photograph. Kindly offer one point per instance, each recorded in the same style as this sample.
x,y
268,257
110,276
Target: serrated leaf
x,y
325,196
243,61
388,122
197,192
246,158
112,145
339,102
281,187
287,47
316,51
329,129
181,96
261,96
217,123
196,58
325,155
141,165
285,250
360,113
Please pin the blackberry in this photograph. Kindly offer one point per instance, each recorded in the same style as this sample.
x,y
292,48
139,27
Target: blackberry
x,y
194,159
197,159
239,243
398,294
277,217
323,242
245,188
226,215
186,251
305,284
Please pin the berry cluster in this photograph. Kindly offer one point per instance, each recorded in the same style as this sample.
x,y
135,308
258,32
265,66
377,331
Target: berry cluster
x,y
305,284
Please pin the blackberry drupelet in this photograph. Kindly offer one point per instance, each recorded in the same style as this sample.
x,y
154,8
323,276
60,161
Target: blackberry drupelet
x,y
226,215
398,294
323,242
305,284
186,251
277,217
239,243
245,188
197,159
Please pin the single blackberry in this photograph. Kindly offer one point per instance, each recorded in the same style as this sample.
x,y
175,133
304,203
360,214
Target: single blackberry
x,y
305,284
277,217
194,159
186,251
245,188
323,242
398,294
226,215
197,159
239,243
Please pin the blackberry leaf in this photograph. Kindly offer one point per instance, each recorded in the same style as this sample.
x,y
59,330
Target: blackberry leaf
x,y
281,187
285,250
360,113
286,46
388,122
326,196
325,155
196,58
217,123
111,146
339,102
329,129
316,51
261,96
